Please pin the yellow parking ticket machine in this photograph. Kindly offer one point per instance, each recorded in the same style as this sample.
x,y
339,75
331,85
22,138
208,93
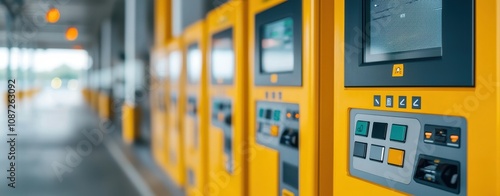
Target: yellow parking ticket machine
x,y
422,80
158,104
284,98
228,93
175,112
196,113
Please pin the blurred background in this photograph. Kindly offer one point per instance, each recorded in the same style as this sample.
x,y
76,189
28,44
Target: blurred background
x,y
56,50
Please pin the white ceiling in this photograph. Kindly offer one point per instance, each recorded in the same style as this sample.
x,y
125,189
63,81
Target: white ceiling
x,y
31,28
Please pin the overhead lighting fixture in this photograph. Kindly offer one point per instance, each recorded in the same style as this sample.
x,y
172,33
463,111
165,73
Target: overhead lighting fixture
x,y
52,15
71,33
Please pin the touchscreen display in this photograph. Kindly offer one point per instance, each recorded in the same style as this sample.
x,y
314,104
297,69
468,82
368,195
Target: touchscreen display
x,y
277,46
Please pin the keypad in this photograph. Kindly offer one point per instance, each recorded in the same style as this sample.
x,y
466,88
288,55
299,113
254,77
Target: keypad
x,y
379,132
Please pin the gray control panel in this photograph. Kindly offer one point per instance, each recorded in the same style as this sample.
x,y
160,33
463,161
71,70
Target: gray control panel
x,y
175,128
192,112
414,153
161,101
222,115
278,128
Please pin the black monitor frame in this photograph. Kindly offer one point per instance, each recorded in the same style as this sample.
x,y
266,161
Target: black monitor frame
x,y
289,9
227,33
454,68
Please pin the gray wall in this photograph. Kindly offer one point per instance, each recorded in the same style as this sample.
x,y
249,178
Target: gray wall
x,y
187,12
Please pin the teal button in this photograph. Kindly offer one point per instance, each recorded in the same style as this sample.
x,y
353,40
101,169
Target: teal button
x,y
362,128
261,112
398,133
277,115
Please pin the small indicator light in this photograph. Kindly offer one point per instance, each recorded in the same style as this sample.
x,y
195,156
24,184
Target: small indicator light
x,y
454,138
428,135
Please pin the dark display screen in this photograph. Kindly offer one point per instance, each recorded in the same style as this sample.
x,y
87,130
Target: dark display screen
x,y
194,63
223,59
405,29
277,46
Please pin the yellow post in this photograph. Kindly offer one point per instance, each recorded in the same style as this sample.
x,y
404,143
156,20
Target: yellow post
x,y
129,123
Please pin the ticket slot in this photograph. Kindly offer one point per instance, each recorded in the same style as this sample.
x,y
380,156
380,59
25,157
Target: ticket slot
x,y
439,173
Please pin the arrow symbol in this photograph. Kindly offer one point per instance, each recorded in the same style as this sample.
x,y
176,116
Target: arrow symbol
x,y
416,103
402,102
398,70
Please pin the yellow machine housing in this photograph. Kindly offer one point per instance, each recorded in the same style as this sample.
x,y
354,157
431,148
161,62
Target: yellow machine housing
x,y
158,86
158,104
175,106
227,78
195,114
284,107
452,143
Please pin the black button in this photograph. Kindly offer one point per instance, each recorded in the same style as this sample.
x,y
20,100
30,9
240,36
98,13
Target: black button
x,y
228,119
268,113
360,149
379,130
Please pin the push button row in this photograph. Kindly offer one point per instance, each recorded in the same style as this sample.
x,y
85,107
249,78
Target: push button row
x,y
379,131
395,156
416,102
439,135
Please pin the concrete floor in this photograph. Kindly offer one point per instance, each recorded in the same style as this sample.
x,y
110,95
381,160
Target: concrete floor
x,y
48,126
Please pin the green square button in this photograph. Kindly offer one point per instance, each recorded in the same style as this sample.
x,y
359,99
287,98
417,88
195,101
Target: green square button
x,y
362,128
398,133
277,115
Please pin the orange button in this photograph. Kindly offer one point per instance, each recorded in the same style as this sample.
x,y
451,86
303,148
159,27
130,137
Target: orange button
x,y
428,135
396,157
285,192
454,138
297,115
274,78
275,129
288,115
398,70
220,116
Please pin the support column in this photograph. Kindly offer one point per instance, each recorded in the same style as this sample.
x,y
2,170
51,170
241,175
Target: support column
x,y
10,23
130,120
105,101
